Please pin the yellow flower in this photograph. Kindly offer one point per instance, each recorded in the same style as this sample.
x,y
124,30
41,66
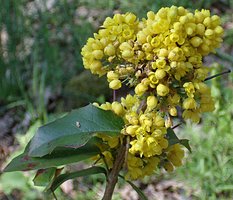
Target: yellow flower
x,y
132,118
194,115
173,111
106,106
189,89
161,58
160,63
115,84
111,75
196,41
140,89
189,103
162,90
158,121
98,54
153,80
175,155
130,130
117,108
160,74
109,50
151,102
151,164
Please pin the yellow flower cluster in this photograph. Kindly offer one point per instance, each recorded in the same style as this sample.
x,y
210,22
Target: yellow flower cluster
x,y
110,45
161,58
146,132
161,55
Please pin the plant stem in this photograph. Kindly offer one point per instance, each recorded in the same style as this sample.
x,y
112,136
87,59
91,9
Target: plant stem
x,y
114,95
219,74
113,174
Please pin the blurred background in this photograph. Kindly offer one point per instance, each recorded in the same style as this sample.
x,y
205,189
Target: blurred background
x,y
42,77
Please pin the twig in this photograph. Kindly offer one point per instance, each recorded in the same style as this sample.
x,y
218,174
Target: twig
x,y
113,174
176,125
114,95
219,74
54,195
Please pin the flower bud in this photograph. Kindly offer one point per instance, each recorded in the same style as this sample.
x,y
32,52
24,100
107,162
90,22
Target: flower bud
x,y
95,65
111,75
200,29
151,102
159,121
219,30
189,103
130,130
209,33
117,108
125,46
162,90
173,111
98,54
196,41
127,54
163,52
140,89
115,84
160,74
109,50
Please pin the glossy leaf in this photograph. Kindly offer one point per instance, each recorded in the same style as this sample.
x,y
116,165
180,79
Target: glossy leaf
x,y
85,172
44,176
173,139
74,130
185,143
60,156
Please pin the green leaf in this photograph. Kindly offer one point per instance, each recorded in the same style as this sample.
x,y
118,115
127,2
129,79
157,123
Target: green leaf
x,y
60,156
141,195
85,172
173,139
44,176
74,130
185,143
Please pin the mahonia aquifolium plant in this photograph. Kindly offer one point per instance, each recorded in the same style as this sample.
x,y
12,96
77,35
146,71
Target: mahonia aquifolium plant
x,y
161,59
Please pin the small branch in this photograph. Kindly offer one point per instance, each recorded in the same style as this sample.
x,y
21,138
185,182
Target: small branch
x,y
55,197
114,95
219,74
113,174
177,125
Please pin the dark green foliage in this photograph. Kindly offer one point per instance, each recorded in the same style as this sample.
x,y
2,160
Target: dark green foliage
x,y
58,157
173,139
74,130
67,140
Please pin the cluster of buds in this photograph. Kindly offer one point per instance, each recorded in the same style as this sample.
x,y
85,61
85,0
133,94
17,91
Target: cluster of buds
x,y
161,59
145,130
